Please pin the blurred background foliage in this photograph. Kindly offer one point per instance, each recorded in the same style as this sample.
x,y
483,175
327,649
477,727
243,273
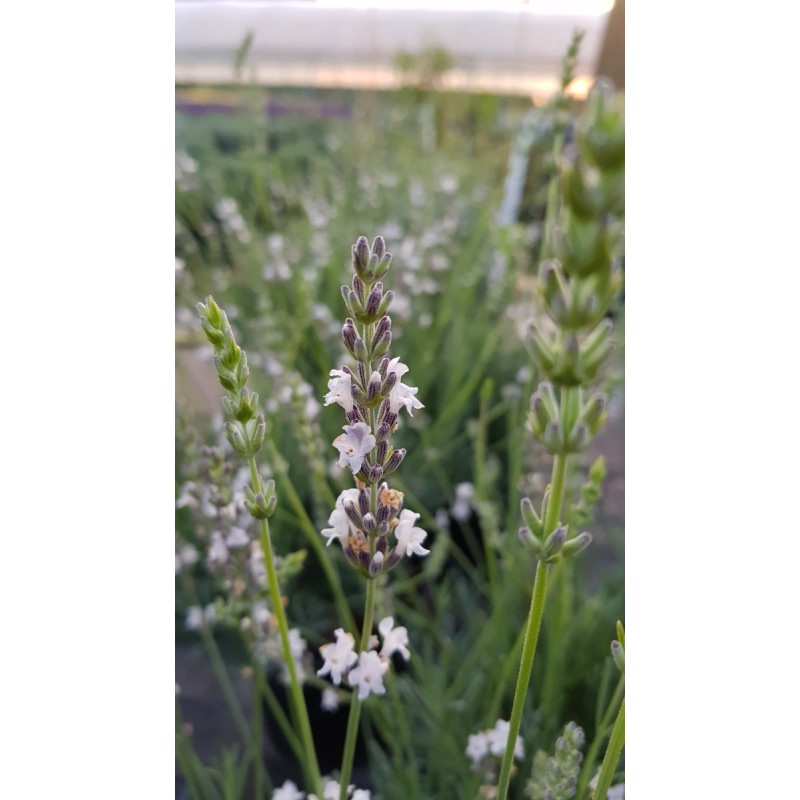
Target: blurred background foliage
x,y
272,188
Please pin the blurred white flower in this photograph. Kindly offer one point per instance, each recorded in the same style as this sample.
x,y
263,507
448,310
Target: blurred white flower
x,y
477,747
498,737
339,656
330,700
400,394
189,555
394,639
368,675
462,507
217,552
237,538
288,791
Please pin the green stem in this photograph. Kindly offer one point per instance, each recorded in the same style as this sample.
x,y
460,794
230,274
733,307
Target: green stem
x,y
533,625
258,726
295,689
313,536
280,717
615,745
599,738
355,705
525,667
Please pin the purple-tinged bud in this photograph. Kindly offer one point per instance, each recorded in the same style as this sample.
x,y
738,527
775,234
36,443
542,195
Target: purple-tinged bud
x,y
375,474
354,303
389,418
381,343
369,523
350,554
353,416
383,366
373,387
538,416
359,289
378,247
383,529
353,514
234,435
259,433
386,302
594,412
530,541
552,437
392,560
553,544
350,336
360,350
376,565
384,266
382,452
576,545
346,297
381,544
381,435
618,654
530,517
363,472
388,384
362,374
359,398
383,513
361,253
363,501
364,560
384,324
578,439
394,461
374,300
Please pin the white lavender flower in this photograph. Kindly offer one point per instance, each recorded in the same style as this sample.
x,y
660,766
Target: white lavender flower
x,y
498,737
341,389
462,507
342,527
330,700
237,538
368,675
409,537
217,552
394,639
339,656
400,394
354,445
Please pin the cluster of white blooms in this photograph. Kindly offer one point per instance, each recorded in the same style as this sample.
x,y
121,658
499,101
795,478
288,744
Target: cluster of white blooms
x,y
365,670
330,791
197,617
485,749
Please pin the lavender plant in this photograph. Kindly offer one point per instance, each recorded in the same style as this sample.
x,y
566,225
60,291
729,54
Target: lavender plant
x,y
576,290
365,516
246,432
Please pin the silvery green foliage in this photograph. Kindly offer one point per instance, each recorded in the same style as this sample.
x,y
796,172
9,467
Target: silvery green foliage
x,y
556,777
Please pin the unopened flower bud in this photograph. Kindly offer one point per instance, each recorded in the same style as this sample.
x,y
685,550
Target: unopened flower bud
x,y
381,343
381,435
530,541
381,543
353,514
359,289
378,247
376,564
360,350
363,501
259,433
382,451
385,303
375,474
373,387
594,413
620,633
361,254
552,438
530,517
618,654
392,560
394,461
553,544
234,435
346,291
350,336
369,523
577,545
374,301
578,438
